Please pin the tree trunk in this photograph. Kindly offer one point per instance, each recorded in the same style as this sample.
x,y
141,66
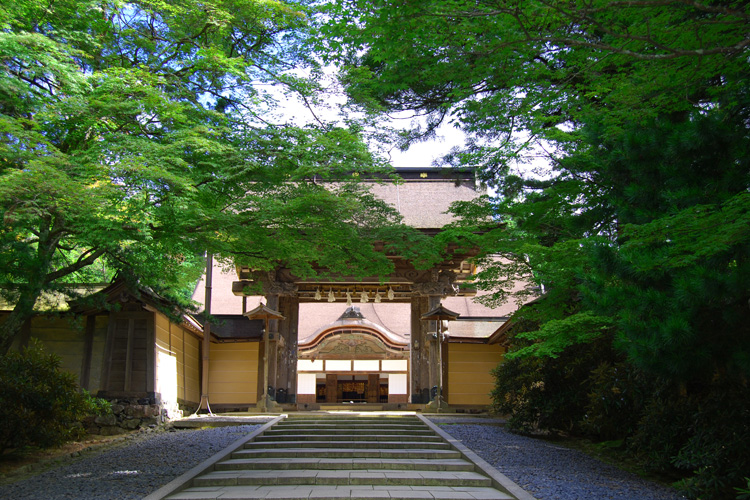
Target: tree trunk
x,y
22,312
50,232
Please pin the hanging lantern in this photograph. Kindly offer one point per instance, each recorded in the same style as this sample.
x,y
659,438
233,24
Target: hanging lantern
x,y
348,298
378,297
363,297
318,296
390,293
331,296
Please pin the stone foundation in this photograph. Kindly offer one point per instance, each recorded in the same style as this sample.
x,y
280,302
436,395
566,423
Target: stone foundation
x,y
127,414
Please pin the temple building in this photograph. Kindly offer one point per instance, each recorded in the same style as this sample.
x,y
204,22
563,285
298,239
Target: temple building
x,y
415,339
361,341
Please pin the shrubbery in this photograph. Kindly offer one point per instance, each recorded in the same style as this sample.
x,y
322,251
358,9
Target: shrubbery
x,y
699,432
616,394
549,394
703,433
41,404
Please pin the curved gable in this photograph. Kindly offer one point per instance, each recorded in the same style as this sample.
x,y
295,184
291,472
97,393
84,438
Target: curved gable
x,y
348,342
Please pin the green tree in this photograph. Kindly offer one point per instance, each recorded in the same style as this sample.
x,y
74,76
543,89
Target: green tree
x,y
637,227
640,110
137,135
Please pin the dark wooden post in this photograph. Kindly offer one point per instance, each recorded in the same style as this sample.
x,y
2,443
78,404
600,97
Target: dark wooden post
x,y
373,387
331,387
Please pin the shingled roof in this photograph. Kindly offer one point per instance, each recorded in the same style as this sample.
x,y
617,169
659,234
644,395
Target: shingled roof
x,y
424,203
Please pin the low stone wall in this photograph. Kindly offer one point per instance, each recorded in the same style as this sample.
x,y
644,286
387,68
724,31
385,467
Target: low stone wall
x,y
127,414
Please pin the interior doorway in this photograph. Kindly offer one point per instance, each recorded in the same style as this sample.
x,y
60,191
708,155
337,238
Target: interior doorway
x,y
346,388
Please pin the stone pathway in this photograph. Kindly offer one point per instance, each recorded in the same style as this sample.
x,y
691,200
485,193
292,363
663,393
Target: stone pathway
x,y
335,457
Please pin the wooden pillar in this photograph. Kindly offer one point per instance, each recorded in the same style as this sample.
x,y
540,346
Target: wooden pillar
x,y
425,365
431,335
415,384
373,387
272,301
206,344
331,387
286,352
282,296
420,351
261,365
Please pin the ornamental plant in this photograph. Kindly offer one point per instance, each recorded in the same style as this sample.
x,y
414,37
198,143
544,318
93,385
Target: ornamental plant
x,y
42,404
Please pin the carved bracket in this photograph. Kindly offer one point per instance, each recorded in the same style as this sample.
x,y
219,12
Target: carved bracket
x,y
281,288
441,284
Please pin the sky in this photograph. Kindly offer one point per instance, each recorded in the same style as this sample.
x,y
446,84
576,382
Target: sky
x,y
420,155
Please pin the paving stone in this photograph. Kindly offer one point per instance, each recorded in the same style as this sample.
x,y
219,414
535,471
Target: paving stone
x,y
409,495
289,493
242,493
332,477
490,494
330,493
368,495
451,495
194,495
366,477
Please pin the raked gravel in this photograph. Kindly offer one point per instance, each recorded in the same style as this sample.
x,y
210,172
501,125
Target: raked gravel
x,y
144,462
551,472
139,465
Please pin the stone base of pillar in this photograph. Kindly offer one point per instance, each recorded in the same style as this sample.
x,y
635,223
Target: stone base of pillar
x,y
438,405
268,405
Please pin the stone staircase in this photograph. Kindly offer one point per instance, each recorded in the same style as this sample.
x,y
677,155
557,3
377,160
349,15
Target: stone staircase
x,y
333,457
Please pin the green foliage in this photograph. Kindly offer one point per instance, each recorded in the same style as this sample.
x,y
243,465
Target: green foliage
x,y
744,493
696,433
616,397
41,404
635,228
496,68
555,336
701,434
677,282
639,119
136,136
548,394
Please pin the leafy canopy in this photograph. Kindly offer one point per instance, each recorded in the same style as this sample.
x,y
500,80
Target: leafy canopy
x,y
639,111
138,135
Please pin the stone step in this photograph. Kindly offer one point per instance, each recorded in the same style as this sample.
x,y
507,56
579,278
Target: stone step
x,y
342,477
351,423
353,444
316,463
350,430
341,492
360,429
347,437
350,418
329,452
345,457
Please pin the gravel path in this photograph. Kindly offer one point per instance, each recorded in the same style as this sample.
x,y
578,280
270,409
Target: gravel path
x,y
131,470
553,472
144,462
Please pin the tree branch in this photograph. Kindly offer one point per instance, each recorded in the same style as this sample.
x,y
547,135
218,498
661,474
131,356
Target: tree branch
x,y
86,258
